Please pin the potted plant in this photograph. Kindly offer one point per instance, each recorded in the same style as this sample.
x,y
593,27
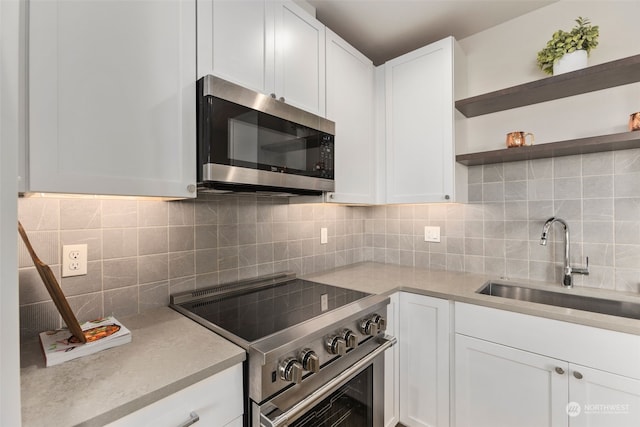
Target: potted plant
x,y
568,51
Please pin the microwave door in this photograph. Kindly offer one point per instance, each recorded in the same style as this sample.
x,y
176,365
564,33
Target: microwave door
x,y
243,140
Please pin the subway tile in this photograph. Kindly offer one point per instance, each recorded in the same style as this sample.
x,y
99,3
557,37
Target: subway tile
x,y
627,209
540,189
119,243
228,212
569,210
153,240
567,188
475,193
494,248
493,173
600,254
121,302
206,212
154,295
516,230
455,262
474,246
119,273
517,269
474,264
515,171
227,235
540,169
599,277
627,232
206,261
626,161
516,211
597,232
516,190
495,266
627,256
438,261
152,213
597,164
91,238
119,213
597,186
493,192
36,318
153,268
517,250
455,245
86,306
627,280
182,264
181,238
248,255
46,246
597,209
568,166
474,174
78,285
77,214
626,185
39,214
182,212
31,288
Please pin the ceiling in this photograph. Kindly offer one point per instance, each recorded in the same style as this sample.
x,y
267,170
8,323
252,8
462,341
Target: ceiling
x,y
385,29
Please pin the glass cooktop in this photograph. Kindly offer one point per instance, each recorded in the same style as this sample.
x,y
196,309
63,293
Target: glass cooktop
x,y
257,313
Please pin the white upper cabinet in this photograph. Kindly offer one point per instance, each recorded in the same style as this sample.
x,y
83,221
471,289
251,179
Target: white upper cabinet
x,y
273,47
235,41
350,104
420,135
112,97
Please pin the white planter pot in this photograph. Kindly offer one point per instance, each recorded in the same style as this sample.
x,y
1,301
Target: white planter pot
x,y
570,62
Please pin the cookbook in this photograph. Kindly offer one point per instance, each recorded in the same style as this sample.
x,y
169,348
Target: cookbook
x,y
60,345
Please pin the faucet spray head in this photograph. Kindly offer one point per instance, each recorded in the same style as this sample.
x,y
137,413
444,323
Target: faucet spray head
x,y
543,239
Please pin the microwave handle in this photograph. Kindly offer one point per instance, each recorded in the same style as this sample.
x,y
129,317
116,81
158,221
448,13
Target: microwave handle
x,y
324,391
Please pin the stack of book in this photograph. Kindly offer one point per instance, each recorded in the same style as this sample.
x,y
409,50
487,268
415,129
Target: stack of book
x,y
60,345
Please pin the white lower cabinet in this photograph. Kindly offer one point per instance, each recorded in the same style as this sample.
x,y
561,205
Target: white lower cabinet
x,y
498,385
424,360
217,401
513,369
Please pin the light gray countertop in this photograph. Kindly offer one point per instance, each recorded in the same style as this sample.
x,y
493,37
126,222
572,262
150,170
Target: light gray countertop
x,y
167,353
386,279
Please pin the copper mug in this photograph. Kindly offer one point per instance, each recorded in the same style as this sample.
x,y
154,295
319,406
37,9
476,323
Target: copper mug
x,y
518,139
634,121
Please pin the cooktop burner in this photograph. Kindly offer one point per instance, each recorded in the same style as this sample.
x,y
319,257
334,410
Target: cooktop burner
x,y
254,314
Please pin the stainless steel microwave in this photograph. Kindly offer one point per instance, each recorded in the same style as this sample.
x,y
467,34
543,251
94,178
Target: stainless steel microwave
x,y
248,141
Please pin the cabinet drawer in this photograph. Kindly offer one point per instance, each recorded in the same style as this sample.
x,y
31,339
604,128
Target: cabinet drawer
x,y
611,351
217,400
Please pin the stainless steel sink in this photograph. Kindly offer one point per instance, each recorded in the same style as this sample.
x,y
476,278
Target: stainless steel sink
x,y
578,302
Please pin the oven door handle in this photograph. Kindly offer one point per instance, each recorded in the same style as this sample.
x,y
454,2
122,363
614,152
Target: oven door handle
x,y
324,391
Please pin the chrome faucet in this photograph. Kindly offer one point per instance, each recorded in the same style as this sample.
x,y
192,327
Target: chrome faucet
x,y
567,278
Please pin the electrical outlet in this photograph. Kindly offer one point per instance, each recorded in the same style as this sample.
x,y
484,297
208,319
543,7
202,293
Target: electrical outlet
x,y
323,236
74,260
432,234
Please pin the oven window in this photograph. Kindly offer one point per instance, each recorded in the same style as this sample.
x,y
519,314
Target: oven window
x,y
350,406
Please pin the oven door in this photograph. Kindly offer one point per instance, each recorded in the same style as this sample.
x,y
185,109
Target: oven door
x,y
347,393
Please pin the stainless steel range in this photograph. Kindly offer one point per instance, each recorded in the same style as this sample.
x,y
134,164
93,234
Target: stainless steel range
x,y
315,352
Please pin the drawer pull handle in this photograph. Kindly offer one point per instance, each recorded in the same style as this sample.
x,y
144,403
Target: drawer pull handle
x,y
193,418
560,370
577,374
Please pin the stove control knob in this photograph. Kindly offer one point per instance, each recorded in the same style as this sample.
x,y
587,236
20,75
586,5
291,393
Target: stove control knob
x,y
310,360
381,321
369,327
291,370
336,345
350,338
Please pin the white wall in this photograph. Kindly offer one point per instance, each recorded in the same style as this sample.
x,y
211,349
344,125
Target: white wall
x,y
9,342
505,56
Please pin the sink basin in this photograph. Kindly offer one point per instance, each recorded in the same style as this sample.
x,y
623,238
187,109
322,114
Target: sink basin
x,y
578,302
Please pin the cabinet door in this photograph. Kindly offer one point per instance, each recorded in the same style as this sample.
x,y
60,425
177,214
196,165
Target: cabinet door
x,y
112,97
498,385
424,360
235,41
391,367
419,120
350,105
217,401
299,72
603,399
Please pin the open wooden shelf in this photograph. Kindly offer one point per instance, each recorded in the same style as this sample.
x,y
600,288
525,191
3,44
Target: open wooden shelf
x,y
610,74
594,144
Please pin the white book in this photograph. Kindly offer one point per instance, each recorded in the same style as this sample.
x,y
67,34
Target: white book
x,y
60,345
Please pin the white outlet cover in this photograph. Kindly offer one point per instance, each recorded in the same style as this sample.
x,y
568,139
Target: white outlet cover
x,y
323,236
74,260
432,234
